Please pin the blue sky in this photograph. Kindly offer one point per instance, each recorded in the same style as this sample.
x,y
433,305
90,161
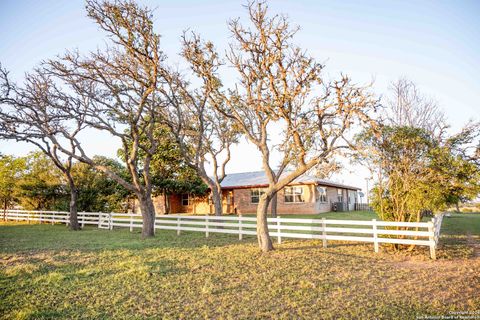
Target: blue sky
x,y
434,43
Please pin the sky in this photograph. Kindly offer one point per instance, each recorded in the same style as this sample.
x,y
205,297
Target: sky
x,y
436,44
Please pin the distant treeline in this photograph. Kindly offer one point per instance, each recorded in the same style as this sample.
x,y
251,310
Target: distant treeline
x,y
33,182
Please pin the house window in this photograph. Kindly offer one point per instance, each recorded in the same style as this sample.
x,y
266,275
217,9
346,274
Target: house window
x,y
186,199
322,194
255,195
339,195
294,194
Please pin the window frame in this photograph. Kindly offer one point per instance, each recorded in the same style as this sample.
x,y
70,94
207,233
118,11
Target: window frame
x,y
290,192
259,191
322,196
188,199
339,195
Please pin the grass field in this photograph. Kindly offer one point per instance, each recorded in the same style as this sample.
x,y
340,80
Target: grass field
x,y
50,272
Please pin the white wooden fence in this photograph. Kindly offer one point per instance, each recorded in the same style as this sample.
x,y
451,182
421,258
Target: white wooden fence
x,y
373,231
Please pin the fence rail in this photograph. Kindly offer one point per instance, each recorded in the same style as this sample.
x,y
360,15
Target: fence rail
x,y
373,231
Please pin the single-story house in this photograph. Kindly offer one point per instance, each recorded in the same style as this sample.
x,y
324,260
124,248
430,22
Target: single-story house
x,y
241,193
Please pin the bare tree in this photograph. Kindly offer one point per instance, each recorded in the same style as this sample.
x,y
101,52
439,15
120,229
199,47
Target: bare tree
x,y
203,133
406,106
122,89
281,86
32,114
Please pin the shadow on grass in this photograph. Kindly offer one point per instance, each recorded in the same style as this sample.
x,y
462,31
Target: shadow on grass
x,y
25,237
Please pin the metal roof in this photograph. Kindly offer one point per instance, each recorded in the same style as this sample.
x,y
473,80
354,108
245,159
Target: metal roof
x,y
259,179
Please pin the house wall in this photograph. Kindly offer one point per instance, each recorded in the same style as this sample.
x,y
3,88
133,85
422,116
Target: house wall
x,y
327,205
244,205
159,204
352,199
201,205
239,201
349,197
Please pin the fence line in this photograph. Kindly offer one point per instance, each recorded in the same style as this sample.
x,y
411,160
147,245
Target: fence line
x,y
362,207
373,231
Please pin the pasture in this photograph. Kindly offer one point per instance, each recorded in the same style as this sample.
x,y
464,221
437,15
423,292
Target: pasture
x,y
50,272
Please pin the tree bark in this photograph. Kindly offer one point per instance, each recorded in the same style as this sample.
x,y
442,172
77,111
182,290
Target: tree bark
x,y
457,207
74,225
148,215
217,201
273,206
263,237
216,191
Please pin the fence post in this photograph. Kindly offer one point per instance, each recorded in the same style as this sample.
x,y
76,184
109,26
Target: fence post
x,y
438,227
40,217
110,222
324,233
240,235
154,223
53,218
279,236
206,226
375,235
431,237
28,217
83,218
178,226
131,222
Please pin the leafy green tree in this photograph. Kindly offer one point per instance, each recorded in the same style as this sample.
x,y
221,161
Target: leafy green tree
x,y
170,171
416,172
458,160
96,191
11,170
42,186
417,166
407,183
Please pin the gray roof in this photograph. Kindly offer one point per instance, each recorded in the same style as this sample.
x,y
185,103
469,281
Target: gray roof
x,y
259,179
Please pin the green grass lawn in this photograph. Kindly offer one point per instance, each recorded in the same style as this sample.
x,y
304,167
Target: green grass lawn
x,y
49,272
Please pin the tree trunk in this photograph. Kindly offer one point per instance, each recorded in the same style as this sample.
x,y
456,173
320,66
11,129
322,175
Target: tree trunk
x,y
148,215
74,225
263,237
457,207
273,204
217,201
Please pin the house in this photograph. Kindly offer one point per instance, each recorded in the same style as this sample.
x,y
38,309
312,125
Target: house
x,y
241,193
